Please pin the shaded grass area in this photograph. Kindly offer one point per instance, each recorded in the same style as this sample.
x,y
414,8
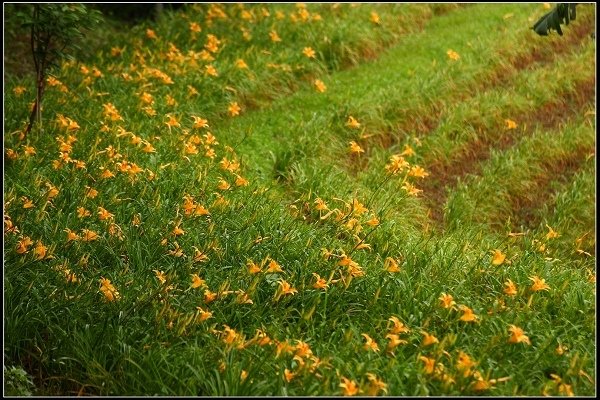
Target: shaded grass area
x,y
532,164
467,160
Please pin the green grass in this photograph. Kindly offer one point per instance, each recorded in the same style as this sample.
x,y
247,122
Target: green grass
x,y
291,146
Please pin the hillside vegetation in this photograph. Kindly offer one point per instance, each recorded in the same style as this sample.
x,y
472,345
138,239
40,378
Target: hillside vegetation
x,y
308,199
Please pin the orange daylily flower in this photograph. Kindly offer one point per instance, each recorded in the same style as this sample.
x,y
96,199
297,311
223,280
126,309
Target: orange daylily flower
x,y
199,256
510,289
429,364
147,98
252,267
150,34
240,181
468,315
195,27
172,121
320,204
391,265
230,166
453,55
71,235
418,172
274,36
210,139
302,349
309,52
160,276
517,335
89,235
190,148
27,203
428,339
106,173
565,389
538,284
370,344
285,288
374,221
551,233
464,363
352,122
197,281
200,122
397,164
229,335
209,296
274,267
375,18
223,184
40,251
19,90
241,64
177,251
11,154
288,375
103,214
320,86
188,205
358,208
498,258
375,385
82,212
408,151
23,245
110,112
234,109
481,383
447,301
261,338
52,191
148,148
203,314
283,347
350,388
211,70
109,291
212,43
398,326
412,190
394,341
320,283
510,124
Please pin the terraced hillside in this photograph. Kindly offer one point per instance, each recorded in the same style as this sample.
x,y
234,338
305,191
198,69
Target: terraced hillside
x,y
308,199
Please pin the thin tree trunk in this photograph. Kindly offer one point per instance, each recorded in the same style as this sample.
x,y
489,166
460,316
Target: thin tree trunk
x,y
39,95
33,37
42,49
36,112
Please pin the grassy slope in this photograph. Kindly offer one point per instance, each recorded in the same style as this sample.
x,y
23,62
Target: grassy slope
x,y
292,150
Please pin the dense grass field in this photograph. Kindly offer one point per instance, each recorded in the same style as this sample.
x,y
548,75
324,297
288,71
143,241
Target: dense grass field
x,y
308,199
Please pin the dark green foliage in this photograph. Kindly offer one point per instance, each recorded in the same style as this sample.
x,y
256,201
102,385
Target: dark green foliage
x,y
55,30
133,13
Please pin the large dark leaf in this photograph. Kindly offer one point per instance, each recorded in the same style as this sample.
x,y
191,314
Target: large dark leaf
x,y
562,14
